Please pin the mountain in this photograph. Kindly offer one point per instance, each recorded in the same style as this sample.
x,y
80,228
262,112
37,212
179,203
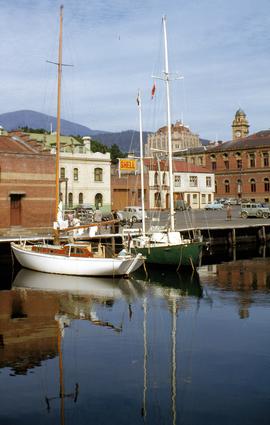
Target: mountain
x,y
26,118
126,140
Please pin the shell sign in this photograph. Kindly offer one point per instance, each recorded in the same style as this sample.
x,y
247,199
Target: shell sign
x,y
127,164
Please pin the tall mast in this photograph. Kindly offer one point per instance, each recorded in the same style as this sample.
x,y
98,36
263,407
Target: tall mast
x,y
58,128
141,163
167,80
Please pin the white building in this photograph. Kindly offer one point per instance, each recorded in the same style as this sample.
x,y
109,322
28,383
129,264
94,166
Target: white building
x,y
192,184
85,177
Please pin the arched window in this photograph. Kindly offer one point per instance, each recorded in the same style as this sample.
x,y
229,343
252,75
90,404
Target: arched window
x,y
98,174
164,179
239,186
253,185
98,200
80,198
70,199
227,186
157,200
75,174
266,185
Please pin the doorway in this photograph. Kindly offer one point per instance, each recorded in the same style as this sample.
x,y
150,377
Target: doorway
x,y
15,209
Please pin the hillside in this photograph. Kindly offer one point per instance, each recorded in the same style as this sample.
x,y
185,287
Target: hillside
x,y
26,118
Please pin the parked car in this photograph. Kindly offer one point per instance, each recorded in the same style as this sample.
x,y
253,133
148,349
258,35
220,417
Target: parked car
x,y
214,206
130,213
252,209
232,201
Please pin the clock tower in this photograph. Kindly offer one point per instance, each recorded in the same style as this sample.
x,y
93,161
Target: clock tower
x,y
240,125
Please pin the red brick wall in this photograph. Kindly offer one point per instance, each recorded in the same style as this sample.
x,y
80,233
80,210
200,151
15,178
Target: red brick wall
x,y
34,175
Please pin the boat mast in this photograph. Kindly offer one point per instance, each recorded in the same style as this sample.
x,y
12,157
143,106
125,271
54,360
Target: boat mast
x,y
141,163
58,128
167,80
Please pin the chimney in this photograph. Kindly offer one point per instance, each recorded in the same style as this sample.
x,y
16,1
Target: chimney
x,y
87,143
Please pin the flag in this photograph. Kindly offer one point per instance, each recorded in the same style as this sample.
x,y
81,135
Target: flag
x,y
153,90
138,100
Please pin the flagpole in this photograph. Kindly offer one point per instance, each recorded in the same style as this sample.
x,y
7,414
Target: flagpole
x,y
141,162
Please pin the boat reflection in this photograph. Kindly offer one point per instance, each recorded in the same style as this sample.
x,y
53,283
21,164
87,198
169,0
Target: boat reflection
x,y
182,283
113,288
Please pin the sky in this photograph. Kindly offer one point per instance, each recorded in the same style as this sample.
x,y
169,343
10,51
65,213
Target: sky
x,y
220,47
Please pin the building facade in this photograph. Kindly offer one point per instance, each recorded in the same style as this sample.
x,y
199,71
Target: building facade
x,y
182,138
241,166
191,184
27,184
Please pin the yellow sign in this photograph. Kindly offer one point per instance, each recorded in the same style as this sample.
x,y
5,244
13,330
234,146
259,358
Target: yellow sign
x,y
127,164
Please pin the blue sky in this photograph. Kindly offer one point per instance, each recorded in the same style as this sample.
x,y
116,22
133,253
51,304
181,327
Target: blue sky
x,y
221,47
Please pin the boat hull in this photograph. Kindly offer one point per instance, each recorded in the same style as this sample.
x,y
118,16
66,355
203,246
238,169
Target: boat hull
x,y
118,266
180,255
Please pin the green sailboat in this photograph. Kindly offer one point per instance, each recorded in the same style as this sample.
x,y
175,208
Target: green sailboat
x,y
165,248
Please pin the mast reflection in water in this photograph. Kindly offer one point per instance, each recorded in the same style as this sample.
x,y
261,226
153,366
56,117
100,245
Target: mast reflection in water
x,y
166,348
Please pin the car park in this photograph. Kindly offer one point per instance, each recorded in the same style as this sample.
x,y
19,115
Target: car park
x,y
253,209
214,206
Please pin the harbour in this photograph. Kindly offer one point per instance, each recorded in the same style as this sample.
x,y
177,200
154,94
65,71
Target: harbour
x,y
166,347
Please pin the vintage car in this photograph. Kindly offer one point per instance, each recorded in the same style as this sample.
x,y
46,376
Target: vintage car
x,y
253,209
214,206
130,213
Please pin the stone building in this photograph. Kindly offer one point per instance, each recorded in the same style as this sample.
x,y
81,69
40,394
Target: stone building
x,y
85,177
182,138
240,125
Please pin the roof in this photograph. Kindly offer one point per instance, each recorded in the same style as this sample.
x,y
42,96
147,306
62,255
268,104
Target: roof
x,y
178,166
256,140
15,144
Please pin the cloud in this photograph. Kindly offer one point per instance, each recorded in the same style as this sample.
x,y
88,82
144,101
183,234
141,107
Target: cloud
x,y
221,48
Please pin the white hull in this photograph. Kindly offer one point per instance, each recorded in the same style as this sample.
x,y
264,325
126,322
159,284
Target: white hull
x,y
60,264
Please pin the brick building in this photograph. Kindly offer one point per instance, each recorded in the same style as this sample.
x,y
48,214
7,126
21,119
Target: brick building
x,y
27,184
241,166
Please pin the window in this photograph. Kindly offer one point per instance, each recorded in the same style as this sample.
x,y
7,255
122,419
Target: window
x,y
156,179
200,160
193,181
70,200
164,179
253,185
98,174
194,198
239,163
266,159
62,173
80,198
252,160
177,181
239,186
227,186
157,200
208,181
214,165
75,174
226,164
266,185
98,200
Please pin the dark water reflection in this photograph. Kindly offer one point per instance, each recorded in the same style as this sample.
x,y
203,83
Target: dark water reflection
x,y
165,348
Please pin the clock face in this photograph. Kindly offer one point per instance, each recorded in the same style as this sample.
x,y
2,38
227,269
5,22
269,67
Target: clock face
x,y
238,133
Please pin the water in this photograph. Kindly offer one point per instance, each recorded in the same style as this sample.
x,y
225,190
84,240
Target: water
x,y
161,349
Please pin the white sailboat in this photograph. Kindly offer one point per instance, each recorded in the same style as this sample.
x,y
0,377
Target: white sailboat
x,y
166,248
72,258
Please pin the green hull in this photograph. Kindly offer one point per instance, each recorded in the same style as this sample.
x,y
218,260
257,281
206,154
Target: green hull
x,y
187,255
